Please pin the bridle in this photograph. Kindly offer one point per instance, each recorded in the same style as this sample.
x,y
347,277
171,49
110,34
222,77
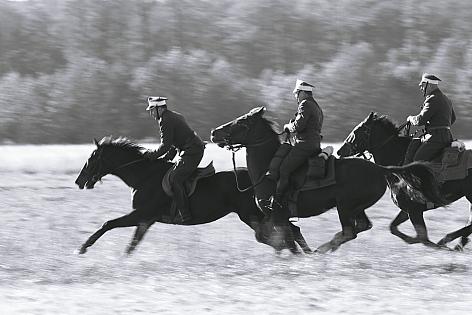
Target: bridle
x,y
356,147
230,145
101,162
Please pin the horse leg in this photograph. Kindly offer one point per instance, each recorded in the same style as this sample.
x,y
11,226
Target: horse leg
x,y
417,219
124,221
465,239
348,233
288,238
401,217
362,222
464,232
300,239
141,229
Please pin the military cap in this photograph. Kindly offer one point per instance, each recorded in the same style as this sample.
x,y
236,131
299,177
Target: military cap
x,y
429,78
155,101
303,86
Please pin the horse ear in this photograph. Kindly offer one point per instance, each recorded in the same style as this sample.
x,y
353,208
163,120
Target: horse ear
x,y
95,141
372,115
257,110
260,110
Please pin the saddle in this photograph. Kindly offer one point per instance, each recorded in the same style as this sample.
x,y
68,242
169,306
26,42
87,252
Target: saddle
x,y
309,177
191,182
453,164
189,185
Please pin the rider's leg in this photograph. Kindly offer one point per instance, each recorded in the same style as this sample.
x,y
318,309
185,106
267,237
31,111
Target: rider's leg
x,y
292,161
411,150
183,168
429,150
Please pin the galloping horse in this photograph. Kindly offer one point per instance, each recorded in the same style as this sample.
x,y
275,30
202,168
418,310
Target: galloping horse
x,y
380,137
359,183
214,197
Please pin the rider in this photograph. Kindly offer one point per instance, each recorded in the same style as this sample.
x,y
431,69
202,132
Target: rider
x,y
437,115
176,134
307,124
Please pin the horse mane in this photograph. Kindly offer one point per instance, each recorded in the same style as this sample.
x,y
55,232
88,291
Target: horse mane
x,y
272,124
123,143
390,127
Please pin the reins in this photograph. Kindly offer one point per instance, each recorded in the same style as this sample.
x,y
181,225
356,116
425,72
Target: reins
x,y
382,143
234,149
98,177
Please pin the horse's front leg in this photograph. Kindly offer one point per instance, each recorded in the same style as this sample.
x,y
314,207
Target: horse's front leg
x,y
124,221
297,234
401,217
463,233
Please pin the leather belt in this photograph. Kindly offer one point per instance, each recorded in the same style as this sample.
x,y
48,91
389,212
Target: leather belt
x,y
437,127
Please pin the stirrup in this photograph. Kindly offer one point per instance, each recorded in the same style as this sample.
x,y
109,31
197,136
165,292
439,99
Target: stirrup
x,y
273,201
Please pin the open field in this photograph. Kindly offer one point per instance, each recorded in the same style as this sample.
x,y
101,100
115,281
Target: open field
x,y
217,268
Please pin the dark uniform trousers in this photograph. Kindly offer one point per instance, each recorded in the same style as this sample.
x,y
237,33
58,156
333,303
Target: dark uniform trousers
x,y
429,149
188,162
294,159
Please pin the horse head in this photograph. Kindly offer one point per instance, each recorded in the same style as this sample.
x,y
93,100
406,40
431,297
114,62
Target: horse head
x,y
110,154
242,131
358,140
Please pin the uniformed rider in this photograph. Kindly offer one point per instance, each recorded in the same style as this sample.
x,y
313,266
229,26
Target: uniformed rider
x,y
176,134
307,126
437,115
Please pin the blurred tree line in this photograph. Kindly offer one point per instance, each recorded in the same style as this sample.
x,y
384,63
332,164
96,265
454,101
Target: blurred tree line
x,y
72,70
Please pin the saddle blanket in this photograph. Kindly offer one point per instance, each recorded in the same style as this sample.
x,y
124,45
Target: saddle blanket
x,y
310,184
328,180
452,165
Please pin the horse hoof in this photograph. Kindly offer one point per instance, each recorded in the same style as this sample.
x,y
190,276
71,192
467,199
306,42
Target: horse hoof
x,y
459,248
80,251
323,249
307,251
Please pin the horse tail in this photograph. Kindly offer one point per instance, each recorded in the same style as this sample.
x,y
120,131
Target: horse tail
x,y
417,180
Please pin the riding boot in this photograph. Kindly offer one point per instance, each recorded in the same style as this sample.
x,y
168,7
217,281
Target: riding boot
x,y
183,213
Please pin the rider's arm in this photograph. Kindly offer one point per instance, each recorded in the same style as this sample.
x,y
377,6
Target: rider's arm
x,y
167,137
427,111
299,123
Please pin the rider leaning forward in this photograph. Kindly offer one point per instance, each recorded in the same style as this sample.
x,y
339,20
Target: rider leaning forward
x,y
176,134
437,115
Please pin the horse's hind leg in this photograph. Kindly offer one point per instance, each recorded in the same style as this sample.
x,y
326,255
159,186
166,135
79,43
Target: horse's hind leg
x,y
417,219
362,222
401,217
348,233
297,234
138,235
124,221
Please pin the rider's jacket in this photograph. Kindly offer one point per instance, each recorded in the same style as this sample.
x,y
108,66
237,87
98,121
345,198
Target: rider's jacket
x,y
175,132
307,124
437,115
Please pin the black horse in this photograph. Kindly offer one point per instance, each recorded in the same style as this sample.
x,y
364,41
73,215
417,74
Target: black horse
x,y
214,197
380,137
359,183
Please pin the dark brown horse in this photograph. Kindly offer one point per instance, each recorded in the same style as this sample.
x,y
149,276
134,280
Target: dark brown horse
x,y
380,137
359,183
214,197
